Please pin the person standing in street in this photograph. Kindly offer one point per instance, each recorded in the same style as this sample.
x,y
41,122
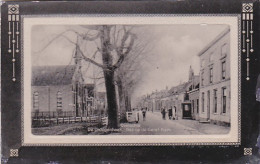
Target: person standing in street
x,y
175,113
144,113
163,113
170,113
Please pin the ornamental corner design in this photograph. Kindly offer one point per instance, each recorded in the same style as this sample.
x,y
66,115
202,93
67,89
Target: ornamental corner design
x,y
248,151
247,34
14,153
13,34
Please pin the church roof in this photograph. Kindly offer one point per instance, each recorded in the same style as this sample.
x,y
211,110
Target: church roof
x,y
52,75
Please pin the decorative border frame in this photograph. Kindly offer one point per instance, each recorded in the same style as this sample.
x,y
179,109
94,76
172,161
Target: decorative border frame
x,y
13,33
247,33
247,24
238,16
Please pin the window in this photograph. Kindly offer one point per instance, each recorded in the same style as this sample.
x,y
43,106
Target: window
x,y
202,78
211,75
202,103
224,100
197,105
215,101
223,67
224,50
208,102
36,101
59,101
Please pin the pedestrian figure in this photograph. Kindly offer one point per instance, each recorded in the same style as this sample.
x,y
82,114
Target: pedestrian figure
x,y
170,113
175,113
144,114
163,113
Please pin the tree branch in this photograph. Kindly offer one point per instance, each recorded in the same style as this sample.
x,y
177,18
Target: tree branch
x,y
56,37
123,55
88,38
90,60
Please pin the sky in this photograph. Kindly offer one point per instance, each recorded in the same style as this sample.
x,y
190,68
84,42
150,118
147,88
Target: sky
x,y
173,49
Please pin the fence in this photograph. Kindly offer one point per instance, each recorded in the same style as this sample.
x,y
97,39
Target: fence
x,y
53,114
43,119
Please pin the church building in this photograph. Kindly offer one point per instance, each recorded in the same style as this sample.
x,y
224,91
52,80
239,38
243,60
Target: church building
x,y
60,89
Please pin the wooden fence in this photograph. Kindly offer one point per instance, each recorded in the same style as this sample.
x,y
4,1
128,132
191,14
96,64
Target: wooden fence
x,y
43,119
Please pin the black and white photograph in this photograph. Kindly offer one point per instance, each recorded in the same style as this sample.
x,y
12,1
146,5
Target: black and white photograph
x,y
131,79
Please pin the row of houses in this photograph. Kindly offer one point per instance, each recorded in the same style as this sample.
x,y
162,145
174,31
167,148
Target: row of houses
x,y
204,97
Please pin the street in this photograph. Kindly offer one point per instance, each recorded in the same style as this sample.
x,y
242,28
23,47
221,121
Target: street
x,y
155,125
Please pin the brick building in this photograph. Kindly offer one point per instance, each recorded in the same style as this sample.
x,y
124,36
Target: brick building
x,y
59,90
55,89
215,80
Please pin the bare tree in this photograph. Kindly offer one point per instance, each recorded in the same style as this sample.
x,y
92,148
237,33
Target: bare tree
x,y
114,43
131,73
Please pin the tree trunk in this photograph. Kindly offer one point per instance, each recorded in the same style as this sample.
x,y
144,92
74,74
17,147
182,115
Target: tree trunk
x,y
109,78
111,99
127,101
122,105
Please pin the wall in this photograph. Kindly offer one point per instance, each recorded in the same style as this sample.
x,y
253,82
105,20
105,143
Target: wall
x,y
215,62
194,96
48,97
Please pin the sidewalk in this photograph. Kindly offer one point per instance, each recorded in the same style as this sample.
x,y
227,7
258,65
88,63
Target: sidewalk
x,y
205,128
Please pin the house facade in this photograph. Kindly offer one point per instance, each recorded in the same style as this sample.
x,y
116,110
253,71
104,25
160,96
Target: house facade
x,y
215,80
194,99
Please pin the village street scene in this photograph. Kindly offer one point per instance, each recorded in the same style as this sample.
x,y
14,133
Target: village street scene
x,y
130,79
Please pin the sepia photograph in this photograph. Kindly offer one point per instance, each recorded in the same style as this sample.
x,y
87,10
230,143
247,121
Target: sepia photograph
x,y
130,80
147,79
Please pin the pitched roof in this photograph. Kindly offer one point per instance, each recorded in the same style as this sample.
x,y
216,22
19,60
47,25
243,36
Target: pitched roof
x,y
180,88
52,75
221,35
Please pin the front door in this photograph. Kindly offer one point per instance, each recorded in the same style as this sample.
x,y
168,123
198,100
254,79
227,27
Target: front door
x,y
186,110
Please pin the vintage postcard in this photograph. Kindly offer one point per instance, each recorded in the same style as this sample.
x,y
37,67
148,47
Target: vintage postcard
x,y
131,80
91,76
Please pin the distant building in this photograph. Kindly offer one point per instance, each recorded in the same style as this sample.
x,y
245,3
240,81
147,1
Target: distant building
x,y
101,102
182,98
215,80
194,94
